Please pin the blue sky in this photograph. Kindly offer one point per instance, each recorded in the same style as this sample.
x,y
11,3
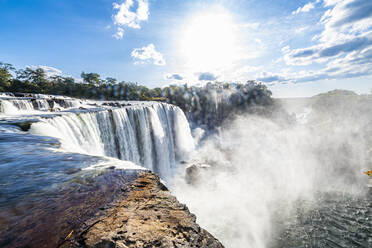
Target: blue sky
x,y
298,48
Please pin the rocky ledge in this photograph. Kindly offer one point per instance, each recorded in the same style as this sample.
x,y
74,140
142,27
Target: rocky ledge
x,y
145,214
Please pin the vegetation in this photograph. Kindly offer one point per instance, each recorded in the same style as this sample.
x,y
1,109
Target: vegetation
x,y
208,105
91,87
215,102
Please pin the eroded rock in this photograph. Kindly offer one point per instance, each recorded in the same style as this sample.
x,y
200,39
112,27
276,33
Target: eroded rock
x,y
147,215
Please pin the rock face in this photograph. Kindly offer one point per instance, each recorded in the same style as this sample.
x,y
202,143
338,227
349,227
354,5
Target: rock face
x,y
145,215
194,170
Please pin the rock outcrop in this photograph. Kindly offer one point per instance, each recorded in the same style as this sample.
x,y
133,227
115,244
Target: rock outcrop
x,y
144,215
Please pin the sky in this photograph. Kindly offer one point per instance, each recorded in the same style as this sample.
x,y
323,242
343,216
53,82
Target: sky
x,y
297,48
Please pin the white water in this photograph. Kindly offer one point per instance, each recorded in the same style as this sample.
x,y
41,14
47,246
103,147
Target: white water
x,y
153,135
261,168
15,107
10,105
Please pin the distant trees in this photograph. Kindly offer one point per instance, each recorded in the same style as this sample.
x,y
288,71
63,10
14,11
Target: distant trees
x,y
31,80
207,105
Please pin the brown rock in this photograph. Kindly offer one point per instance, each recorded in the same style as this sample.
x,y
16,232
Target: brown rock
x,y
146,215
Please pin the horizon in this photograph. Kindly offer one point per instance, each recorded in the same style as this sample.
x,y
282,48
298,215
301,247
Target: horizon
x,y
298,49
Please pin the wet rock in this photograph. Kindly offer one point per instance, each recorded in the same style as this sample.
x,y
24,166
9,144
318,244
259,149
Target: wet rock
x,y
24,126
71,171
194,172
51,103
146,215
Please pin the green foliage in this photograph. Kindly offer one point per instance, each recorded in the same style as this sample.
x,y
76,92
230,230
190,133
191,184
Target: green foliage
x,y
91,78
5,76
37,78
205,105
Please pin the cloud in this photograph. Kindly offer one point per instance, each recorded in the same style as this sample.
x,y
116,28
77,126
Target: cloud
x,y
301,29
119,33
306,8
173,77
130,14
346,19
252,25
348,12
355,64
49,70
148,54
344,46
207,76
324,52
266,77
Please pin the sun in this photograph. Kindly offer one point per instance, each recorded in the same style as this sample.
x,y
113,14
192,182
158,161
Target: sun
x,y
208,41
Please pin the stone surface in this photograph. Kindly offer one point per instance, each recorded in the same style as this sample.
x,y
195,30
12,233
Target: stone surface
x,y
145,215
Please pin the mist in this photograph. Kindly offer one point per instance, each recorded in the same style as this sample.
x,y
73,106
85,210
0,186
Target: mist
x,y
251,176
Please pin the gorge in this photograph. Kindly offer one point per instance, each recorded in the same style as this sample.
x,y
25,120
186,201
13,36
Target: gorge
x,y
75,173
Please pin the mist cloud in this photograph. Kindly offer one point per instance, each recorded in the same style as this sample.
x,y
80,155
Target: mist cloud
x,y
261,167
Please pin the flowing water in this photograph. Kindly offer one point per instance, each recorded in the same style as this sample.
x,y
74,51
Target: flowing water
x,y
262,182
52,146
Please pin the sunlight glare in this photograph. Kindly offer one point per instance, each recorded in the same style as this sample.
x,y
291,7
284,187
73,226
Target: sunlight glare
x,y
208,41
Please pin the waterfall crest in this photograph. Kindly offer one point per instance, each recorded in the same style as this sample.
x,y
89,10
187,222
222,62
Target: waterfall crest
x,y
10,105
154,135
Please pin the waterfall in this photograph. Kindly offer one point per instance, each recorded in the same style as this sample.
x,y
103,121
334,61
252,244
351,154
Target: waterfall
x,y
13,106
7,107
153,135
41,104
17,106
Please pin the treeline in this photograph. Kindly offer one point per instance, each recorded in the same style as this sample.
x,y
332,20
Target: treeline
x,y
92,85
208,105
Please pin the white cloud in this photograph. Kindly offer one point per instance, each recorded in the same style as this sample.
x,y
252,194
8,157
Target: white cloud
x,y
344,46
49,70
286,49
306,8
355,64
119,33
346,19
130,13
301,29
148,54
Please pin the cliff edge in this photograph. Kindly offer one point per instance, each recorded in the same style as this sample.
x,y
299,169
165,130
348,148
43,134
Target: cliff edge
x,y
145,214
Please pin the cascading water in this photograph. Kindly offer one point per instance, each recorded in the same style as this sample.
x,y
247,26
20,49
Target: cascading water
x,y
42,104
10,105
153,135
13,107
254,177
57,153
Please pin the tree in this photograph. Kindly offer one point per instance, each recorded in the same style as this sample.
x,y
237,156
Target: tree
x,y
111,81
5,76
156,92
144,93
35,77
91,78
